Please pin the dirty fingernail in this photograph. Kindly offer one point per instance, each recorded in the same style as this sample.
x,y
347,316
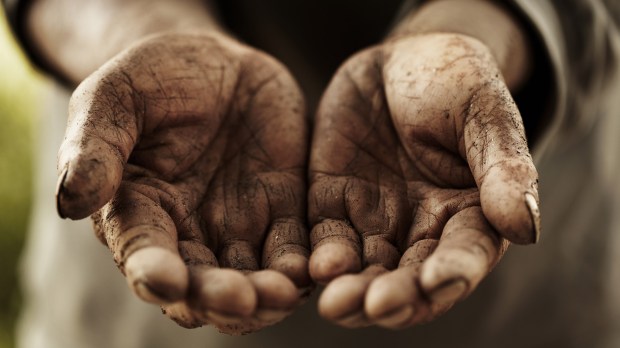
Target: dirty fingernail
x,y
157,275
60,191
532,206
449,291
148,294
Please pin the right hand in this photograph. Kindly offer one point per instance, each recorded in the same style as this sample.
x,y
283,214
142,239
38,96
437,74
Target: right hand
x,y
190,149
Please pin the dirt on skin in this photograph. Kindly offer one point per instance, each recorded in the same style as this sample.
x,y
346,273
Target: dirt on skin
x,y
416,141
191,149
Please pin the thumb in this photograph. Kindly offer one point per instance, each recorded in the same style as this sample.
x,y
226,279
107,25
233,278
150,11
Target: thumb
x,y
499,158
102,130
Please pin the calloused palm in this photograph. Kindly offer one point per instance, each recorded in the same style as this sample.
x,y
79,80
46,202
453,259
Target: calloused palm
x,y
191,148
419,169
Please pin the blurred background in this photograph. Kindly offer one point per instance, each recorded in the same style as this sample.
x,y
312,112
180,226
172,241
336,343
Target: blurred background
x,y
20,93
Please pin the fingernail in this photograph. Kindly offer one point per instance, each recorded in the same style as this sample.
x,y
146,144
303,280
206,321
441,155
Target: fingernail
x,y
396,318
354,320
532,206
59,192
449,291
148,294
156,275
271,315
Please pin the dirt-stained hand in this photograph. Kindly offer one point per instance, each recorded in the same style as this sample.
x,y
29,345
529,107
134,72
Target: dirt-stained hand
x,y
420,175
189,150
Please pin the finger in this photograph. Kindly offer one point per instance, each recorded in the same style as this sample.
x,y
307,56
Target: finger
x,y
219,296
380,213
497,152
390,298
286,250
467,250
194,254
342,301
434,208
239,255
236,215
393,299
143,240
156,274
228,299
379,250
224,296
336,250
102,130
236,226
277,296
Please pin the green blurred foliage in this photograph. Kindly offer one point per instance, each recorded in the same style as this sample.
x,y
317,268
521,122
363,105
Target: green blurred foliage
x,y
20,89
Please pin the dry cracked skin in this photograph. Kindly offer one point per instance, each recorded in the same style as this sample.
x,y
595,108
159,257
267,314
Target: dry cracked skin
x,y
420,175
190,153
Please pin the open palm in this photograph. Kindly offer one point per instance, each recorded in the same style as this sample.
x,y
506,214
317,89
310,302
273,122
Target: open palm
x,y
419,170
191,149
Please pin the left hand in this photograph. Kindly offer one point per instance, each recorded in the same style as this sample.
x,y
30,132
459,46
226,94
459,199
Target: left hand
x,y
420,173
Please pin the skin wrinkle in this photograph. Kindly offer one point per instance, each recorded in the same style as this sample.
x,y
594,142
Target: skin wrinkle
x,y
174,207
116,209
138,105
425,172
129,246
359,98
449,204
327,232
360,144
374,117
253,140
115,147
237,203
222,189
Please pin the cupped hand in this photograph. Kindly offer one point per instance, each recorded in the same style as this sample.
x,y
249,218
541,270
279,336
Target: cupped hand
x,y
420,175
190,149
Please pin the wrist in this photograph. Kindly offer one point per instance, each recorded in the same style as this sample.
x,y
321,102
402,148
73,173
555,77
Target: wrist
x,y
485,21
74,40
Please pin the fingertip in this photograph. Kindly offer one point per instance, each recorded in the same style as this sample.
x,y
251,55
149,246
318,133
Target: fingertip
x,y
449,291
331,260
295,266
509,200
441,281
398,319
447,278
274,290
272,316
343,297
388,293
85,185
157,275
226,293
